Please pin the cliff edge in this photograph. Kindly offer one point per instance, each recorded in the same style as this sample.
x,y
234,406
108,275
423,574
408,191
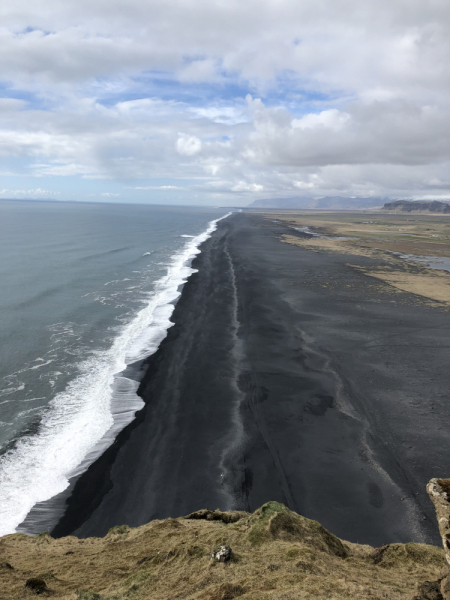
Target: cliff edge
x,y
272,554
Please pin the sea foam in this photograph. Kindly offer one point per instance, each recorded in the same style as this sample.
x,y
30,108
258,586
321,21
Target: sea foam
x,y
84,419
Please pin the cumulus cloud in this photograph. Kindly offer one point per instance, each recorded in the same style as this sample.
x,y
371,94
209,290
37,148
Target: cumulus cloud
x,y
332,119
188,145
377,45
389,132
238,98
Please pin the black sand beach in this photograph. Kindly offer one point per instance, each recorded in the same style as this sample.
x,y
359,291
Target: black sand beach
x,y
286,376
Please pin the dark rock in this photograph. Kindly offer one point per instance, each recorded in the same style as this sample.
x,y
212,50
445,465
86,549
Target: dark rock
x,y
36,585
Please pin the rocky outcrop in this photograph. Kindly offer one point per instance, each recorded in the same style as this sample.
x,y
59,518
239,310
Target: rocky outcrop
x,y
439,492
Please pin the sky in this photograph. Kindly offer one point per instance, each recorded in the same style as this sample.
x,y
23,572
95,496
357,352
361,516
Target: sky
x,y
221,102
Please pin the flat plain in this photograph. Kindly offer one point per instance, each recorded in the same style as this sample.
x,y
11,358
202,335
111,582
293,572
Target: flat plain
x,y
389,238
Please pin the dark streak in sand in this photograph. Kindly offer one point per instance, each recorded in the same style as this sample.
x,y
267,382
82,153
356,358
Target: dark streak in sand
x,y
272,387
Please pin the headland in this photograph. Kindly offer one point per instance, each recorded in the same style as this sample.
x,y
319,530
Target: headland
x,y
272,554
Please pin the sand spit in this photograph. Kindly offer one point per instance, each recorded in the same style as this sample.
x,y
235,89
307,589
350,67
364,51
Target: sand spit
x,y
276,554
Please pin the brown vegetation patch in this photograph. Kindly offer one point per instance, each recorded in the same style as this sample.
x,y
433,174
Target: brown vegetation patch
x,y
317,244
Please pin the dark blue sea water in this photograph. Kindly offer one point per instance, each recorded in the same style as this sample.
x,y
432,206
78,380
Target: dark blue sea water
x,y
85,290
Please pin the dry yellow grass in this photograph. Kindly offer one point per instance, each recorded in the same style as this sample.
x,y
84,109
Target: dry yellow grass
x,y
277,555
434,286
342,247
409,234
401,275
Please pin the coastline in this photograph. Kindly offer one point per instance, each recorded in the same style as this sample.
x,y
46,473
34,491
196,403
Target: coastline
x,y
112,383
287,377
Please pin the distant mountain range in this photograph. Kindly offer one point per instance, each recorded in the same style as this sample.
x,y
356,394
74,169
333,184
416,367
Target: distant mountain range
x,y
327,202
408,206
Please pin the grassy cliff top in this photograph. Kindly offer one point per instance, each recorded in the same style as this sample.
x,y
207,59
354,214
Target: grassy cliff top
x,y
276,555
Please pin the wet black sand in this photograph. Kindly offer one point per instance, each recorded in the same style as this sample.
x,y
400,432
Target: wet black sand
x,y
271,386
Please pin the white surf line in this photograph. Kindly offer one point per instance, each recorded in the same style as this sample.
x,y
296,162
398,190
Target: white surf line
x,y
85,418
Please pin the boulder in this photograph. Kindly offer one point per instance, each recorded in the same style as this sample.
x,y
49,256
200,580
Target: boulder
x,y
36,585
221,553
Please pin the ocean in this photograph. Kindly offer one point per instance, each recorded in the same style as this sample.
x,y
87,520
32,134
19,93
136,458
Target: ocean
x,y
86,290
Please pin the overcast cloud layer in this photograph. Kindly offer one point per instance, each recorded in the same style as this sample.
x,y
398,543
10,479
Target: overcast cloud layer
x,y
206,101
